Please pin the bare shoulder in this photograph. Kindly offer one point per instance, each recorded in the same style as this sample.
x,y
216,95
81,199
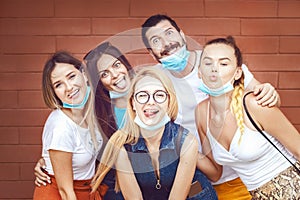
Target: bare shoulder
x,y
253,106
190,143
203,104
201,116
201,108
251,102
190,138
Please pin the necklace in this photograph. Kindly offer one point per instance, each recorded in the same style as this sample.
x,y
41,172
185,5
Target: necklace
x,y
218,120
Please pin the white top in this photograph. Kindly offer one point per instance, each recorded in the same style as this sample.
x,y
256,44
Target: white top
x,y
255,160
63,134
188,97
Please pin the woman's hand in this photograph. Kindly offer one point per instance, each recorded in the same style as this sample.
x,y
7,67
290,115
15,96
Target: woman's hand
x,y
41,178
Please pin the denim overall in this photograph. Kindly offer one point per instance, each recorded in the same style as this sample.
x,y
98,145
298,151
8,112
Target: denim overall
x,y
110,181
168,162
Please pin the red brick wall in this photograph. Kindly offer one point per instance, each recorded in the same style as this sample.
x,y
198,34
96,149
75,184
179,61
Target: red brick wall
x,y
268,32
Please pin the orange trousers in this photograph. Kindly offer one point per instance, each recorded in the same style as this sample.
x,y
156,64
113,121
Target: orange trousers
x,y
234,189
82,190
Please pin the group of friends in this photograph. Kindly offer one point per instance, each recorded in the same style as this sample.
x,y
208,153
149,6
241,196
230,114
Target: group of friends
x,y
176,130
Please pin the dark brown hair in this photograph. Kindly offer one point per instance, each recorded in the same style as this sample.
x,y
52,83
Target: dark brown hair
x,y
153,21
103,107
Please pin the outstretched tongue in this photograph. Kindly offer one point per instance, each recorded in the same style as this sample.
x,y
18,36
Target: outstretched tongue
x,y
150,113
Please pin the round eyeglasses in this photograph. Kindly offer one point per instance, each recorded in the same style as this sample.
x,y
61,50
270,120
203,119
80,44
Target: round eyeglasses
x,y
159,96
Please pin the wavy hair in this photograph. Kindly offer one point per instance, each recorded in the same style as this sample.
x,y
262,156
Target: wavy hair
x,y
131,131
103,106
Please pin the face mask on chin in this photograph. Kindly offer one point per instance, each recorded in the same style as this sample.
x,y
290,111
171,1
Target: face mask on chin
x,y
227,87
116,95
176,61
160,124
80,105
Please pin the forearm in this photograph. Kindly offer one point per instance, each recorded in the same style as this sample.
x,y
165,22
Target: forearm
x,y
63,172
252,84
126,178
67,193
185,170
129,186
212,170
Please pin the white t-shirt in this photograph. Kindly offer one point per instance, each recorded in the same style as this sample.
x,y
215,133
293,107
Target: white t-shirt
x,y
63,134
188,96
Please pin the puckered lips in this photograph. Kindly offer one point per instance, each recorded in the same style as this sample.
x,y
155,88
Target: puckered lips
x,y
215,81
213,78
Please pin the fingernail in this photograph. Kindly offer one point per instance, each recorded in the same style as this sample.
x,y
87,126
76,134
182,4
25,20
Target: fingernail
x,y
44,184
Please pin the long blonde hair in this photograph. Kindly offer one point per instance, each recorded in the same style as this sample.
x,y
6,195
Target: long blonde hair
x,y
131,131
91,119
236,104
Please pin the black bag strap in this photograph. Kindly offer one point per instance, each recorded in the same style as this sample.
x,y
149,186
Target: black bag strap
x,y
263,134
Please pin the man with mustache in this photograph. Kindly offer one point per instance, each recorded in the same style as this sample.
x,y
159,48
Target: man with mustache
x,y
166,42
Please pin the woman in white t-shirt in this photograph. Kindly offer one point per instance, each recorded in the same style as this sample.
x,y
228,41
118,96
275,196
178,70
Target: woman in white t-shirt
x,y
71,138
229,138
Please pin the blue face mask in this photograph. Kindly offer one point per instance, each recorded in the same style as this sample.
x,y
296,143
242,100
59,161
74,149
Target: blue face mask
x,y
218,91
116,95
81,105
160,124
176,61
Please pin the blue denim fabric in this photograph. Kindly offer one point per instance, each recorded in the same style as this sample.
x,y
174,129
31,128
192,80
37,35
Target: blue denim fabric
x,y
168,162
109,180
208,192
